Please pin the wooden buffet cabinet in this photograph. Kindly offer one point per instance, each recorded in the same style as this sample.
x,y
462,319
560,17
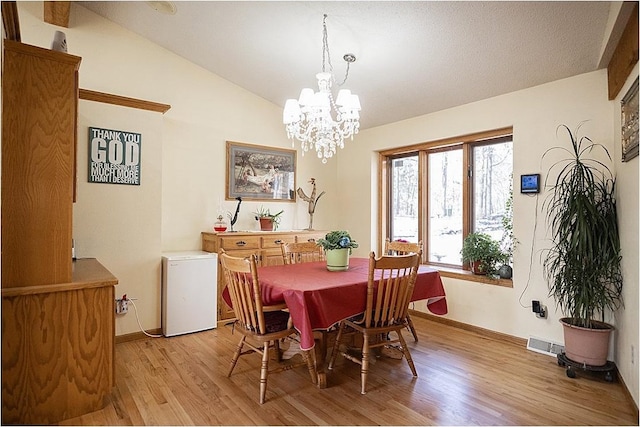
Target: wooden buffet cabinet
x,y
58,319
265,244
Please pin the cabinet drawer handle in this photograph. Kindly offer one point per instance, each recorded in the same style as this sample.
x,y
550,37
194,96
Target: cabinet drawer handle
x,y
241,243
311,240
277,242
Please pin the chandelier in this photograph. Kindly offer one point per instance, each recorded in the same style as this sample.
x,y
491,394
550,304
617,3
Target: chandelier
x,y
315,118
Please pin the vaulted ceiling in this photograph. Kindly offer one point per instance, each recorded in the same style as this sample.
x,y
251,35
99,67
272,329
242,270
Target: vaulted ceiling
x,y
413,57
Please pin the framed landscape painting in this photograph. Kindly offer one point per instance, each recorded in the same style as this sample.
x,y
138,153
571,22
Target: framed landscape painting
x,y
256,172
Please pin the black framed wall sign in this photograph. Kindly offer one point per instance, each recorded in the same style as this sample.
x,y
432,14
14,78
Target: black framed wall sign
x,y
530,183
114,156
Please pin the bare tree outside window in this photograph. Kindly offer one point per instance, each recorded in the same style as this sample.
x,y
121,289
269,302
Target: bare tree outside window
x,y
492,172
404,199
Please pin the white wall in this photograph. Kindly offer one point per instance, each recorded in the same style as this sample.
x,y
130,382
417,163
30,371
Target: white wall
x,y
183,154
120,224
535,114
628,333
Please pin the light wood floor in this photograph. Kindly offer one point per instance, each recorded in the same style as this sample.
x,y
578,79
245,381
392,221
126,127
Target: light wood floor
x,y
464,379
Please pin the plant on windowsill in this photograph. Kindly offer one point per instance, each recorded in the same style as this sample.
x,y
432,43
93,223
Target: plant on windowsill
x,y
482,253
337,246
582,266
268,221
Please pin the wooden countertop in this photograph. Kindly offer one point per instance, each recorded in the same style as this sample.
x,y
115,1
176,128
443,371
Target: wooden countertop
x,y
86,273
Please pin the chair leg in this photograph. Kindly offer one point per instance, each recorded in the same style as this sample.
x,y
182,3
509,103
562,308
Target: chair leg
x,y
307,356
406,353
364,372
323,346
236,355
336,346
412,328
264,371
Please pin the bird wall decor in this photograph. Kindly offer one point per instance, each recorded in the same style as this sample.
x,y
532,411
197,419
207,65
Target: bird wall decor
x,y
312,200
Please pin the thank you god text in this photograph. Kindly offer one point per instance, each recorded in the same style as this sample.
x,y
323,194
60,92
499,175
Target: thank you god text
x,y
114,156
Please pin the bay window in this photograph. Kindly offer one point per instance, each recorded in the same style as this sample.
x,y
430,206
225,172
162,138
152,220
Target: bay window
x,y
440,191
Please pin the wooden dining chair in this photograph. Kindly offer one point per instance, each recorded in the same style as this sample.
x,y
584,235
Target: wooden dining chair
x,y
261,326
295,253
403,248
397,247
389,289
300,252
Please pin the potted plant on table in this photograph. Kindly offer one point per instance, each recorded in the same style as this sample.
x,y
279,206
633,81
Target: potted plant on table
x,y
268,221
337,246
582,266
482,253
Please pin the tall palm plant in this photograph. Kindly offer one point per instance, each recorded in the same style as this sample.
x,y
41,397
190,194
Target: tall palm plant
x,y
582,266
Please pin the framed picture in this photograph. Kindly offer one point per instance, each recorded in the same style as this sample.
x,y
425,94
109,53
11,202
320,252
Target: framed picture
x,y
256,172
630,123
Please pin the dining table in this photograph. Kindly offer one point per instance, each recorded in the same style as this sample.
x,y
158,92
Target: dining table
x,y
318,299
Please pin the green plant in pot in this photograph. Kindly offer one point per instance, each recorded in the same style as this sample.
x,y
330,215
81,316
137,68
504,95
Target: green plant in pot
x,y
582,266
268,221
482,253
337,246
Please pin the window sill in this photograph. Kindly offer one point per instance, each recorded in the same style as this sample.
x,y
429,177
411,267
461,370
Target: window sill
x,y
458,273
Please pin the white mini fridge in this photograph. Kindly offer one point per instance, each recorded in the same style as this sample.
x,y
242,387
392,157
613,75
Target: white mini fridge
x,y
189,292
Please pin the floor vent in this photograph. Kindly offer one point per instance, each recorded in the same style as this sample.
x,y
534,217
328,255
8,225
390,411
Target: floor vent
x,y
544,346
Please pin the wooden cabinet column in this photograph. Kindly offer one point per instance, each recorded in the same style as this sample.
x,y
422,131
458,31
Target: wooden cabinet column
x,y
58,319
40,101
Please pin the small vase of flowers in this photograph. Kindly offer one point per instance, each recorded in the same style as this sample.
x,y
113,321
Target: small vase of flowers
x,y
337,246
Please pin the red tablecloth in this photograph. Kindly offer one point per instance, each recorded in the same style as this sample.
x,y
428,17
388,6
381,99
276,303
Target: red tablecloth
x,y
318,298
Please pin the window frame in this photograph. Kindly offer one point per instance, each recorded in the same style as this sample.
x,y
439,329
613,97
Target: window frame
x,y
466,143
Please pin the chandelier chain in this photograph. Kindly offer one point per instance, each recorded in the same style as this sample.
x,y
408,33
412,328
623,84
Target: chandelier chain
x,y
325,46
326,54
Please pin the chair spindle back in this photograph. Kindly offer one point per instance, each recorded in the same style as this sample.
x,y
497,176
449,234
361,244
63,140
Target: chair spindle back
x,y
241,276
296,253
389,289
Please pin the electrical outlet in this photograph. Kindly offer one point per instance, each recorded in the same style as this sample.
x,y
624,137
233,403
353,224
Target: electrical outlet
x,y
535,306
539,309
122,305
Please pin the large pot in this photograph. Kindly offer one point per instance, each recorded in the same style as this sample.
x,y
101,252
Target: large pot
x,y
337,259
588,346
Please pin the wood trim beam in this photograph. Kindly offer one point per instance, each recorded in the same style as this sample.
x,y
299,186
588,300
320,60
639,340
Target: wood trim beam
x,y
460,274
57,13
472,137
135,336
624,57
123,101
10,20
